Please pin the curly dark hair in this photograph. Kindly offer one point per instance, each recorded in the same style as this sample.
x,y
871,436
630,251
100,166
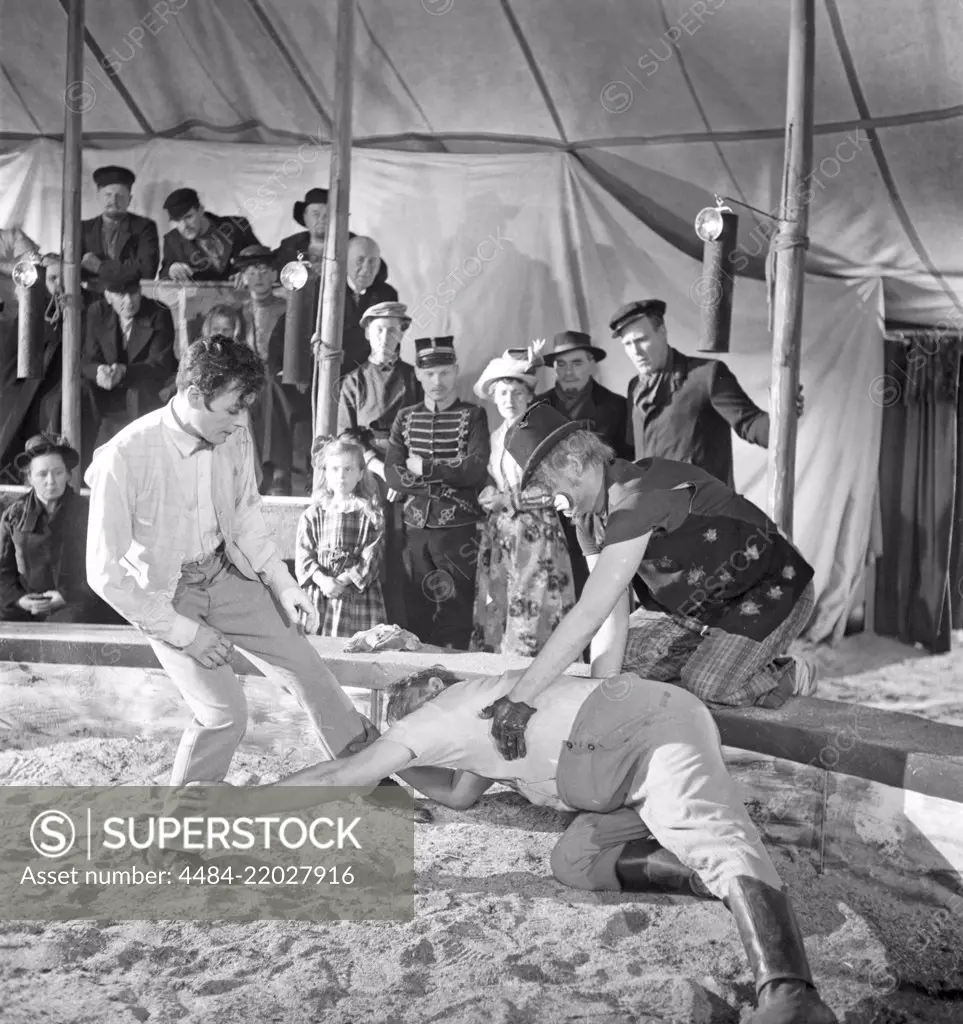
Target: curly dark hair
x,y
408,694
213,365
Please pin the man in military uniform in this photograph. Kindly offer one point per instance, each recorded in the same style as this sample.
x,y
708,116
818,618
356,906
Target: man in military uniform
x,y
116,236
371,397
438,457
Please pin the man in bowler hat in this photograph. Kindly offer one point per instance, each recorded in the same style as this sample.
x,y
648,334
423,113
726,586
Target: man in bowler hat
x,y
579,396
117,236
683,407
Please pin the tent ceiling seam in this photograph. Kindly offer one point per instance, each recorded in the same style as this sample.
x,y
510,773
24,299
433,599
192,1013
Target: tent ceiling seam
x,y
534,69
376,42
265,22
16,91
703,116
122,91
889,181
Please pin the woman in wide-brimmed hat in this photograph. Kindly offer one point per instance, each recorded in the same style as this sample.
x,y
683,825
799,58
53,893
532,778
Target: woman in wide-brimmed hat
x,y
524,577
43,542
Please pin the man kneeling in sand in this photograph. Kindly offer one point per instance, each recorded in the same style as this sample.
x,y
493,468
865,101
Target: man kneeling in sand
x,y
642,761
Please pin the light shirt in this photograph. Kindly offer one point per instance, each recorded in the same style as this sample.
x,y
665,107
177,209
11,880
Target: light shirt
x,y
126,326
202,535
446,732
504,470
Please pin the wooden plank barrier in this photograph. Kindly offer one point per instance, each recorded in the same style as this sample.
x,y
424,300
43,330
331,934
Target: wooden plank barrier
x,y
900,750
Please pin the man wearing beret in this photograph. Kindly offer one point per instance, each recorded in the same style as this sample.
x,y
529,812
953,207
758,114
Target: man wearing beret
x,y
438,458
371,397
683,407
117,236
128,353
202,246
579,396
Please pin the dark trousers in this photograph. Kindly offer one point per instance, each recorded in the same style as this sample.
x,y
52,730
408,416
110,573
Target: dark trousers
x,y
442,591
395,572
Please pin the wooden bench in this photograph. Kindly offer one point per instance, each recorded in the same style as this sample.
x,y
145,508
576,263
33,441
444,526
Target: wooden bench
x,y
894,749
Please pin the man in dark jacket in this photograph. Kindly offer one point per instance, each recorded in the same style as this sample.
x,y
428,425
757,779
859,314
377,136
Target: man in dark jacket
x,y
117,236
312,214
683,407
128,352
202,246
579,396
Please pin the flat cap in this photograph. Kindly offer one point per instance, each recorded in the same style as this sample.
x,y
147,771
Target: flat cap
x,y
633,311
180,202
113,176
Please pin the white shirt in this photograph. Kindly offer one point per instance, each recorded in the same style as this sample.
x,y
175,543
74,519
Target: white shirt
x,y
203,535
447,733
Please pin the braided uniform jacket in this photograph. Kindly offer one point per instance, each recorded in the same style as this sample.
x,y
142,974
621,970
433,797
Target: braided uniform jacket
x,y
455,446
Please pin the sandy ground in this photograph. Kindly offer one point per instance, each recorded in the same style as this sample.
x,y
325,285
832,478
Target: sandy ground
x,y
494,938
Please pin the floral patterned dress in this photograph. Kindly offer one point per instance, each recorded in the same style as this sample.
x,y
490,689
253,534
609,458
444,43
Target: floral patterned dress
x,y
343,538
524,584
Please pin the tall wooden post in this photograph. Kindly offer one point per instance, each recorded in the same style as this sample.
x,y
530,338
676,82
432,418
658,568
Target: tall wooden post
x,y
72,239
326,342
790,263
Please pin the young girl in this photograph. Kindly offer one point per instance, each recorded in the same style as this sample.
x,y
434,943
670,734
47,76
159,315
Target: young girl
x,y
340,541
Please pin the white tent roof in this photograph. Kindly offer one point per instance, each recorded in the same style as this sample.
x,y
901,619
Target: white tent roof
x,y
662,102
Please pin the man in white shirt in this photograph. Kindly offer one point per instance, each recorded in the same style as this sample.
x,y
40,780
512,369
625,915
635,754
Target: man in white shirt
x,y
178,545
642,761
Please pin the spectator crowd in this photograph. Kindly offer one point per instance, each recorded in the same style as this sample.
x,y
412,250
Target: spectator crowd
x,y
418,514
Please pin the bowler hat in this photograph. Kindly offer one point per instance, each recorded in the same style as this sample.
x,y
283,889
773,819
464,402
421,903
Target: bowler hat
x,y
633,311
394,310
42,444
573,341
118,277
313,195
535,433
254,256
113,176
180,203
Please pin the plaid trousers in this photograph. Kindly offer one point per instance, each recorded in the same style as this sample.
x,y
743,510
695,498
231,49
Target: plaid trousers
x,y
718,667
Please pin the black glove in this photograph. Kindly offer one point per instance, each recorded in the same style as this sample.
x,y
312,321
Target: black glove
x,y
509,719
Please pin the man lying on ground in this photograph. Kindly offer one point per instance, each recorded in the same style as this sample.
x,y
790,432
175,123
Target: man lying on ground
x,y
642,762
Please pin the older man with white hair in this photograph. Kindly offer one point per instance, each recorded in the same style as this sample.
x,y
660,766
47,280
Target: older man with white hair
x,y
371,397
364,291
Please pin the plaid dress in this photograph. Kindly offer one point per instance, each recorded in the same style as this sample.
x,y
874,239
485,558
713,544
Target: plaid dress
x,y
343,540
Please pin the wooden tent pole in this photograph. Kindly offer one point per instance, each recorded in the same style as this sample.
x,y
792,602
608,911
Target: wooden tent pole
x,y
790,263
326,343
72,237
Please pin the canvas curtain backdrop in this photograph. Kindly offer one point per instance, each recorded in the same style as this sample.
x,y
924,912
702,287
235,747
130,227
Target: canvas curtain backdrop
x,y
499,250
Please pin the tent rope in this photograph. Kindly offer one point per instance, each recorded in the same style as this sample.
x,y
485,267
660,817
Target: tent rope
x,y
788,236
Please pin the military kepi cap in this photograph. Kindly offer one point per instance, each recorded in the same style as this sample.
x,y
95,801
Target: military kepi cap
x,y
180,203
113,176
633,311
434,352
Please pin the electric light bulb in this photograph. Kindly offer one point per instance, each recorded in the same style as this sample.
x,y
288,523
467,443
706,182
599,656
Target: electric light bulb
x,y
709,223
25,274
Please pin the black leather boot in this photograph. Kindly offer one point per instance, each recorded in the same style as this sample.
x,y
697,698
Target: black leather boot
x,y
645,866
785,993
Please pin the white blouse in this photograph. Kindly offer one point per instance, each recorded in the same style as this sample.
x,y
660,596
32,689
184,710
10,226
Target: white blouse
x,y
504,470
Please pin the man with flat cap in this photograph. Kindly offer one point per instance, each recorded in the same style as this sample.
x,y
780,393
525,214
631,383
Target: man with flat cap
x,y
128,353
437,457
579,396
371,397
202,246
683,407
117,236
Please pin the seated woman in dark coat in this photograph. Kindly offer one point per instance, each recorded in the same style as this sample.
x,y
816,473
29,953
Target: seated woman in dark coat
x,y
43,542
